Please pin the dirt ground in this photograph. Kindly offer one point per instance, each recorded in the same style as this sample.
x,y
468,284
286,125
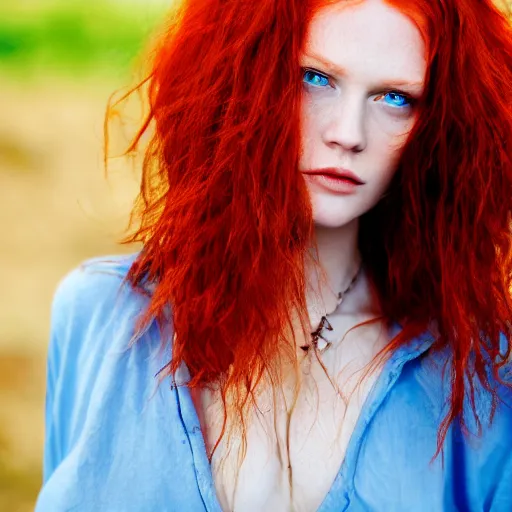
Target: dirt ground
x,y
56,209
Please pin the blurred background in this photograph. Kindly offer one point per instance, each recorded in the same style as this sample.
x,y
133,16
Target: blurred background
x,y
60,60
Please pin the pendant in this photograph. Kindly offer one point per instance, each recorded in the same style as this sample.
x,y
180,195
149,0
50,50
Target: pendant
x,y
317,338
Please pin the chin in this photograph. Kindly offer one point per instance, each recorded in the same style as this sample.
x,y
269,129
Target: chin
x,y
332,223
333,220
335,213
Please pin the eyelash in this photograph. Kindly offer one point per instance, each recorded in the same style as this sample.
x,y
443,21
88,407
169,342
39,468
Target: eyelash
x,y
410,100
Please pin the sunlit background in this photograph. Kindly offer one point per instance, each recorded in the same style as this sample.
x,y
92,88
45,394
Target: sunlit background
x,y
59,62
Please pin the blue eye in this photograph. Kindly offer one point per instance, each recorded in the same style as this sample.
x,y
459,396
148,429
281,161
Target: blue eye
x,y
395,99
315,79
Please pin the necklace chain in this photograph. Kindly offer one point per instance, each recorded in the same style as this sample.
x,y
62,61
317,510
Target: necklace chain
x,y
317,339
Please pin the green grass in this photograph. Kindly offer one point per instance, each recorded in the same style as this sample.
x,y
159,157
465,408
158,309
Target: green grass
x,y
70,37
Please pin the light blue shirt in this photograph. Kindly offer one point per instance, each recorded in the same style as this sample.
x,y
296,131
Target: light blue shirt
x,y
117,441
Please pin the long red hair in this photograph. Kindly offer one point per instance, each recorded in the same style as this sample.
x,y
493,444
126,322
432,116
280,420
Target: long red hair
x,y
226,222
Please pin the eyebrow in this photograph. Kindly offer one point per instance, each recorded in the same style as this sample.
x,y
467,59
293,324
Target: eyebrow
x,y
334,69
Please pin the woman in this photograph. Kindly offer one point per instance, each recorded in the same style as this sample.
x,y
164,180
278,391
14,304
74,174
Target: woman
x,y
319,318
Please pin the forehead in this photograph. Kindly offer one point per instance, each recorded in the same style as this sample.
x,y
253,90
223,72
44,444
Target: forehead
x,y
371,40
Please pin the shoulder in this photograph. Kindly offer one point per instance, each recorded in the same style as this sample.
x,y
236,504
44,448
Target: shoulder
x,y
90,286
103,390
90,298
94,315
481,447
488,449
476,454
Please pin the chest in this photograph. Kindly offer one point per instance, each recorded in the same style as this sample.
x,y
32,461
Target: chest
x,y
295,442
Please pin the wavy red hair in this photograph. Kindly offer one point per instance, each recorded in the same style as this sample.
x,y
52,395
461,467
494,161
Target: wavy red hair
x,y
225,219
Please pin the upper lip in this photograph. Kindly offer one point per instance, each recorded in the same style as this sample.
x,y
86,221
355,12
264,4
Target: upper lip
x,y
337,172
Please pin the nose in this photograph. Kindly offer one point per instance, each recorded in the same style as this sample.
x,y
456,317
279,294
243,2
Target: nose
x,y
345,126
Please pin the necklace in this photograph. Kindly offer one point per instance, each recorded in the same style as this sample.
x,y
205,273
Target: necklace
x,y
318,341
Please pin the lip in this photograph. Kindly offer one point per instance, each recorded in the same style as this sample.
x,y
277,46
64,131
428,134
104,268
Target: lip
x,y
337,172
335,179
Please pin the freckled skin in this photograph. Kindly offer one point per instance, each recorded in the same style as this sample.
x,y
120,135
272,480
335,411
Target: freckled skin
x,y
358,121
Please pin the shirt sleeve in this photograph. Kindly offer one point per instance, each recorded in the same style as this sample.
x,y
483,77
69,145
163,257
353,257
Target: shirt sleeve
x,y
59,329
82,311
82,305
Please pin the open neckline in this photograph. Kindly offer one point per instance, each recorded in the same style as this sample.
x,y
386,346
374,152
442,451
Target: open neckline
x,y
339,495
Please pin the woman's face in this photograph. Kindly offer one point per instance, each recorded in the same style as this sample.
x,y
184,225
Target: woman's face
x,y
364,68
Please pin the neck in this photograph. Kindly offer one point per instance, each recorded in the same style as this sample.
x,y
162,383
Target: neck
x,y
338,255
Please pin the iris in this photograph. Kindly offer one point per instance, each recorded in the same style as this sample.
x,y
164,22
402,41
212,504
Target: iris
x,y
395,99
315,79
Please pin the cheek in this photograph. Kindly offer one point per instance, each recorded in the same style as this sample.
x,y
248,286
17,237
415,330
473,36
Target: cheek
x,y
387,141
313,115
309,120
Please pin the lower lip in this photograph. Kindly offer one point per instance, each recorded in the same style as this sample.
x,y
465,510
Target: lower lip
x,y
334,184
